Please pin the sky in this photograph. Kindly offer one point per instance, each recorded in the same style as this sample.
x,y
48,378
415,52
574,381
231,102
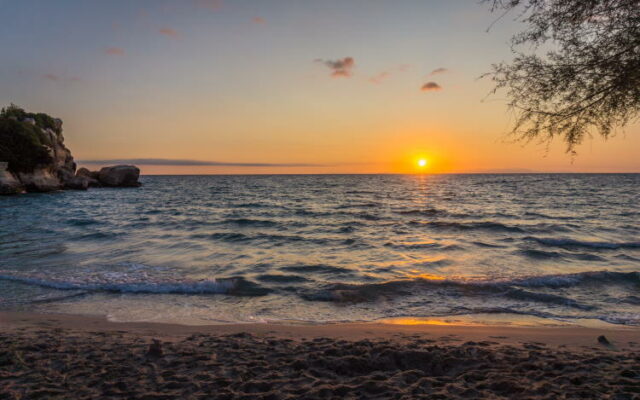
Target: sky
x,y
279,86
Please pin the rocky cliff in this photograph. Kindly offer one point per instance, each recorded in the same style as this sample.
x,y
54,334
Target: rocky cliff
x,y
33,157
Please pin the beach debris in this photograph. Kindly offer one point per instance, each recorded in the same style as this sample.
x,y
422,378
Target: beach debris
x,y
155,349
603,340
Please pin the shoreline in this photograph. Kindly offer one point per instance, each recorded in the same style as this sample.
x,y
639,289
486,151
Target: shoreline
x,y
569,336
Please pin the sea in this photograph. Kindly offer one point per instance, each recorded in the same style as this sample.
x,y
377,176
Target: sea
x,y
547,249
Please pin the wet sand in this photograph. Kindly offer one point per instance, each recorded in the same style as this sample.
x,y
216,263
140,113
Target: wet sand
x,y
66,356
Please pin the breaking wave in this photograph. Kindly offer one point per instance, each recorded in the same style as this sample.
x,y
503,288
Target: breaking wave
x,y
232,286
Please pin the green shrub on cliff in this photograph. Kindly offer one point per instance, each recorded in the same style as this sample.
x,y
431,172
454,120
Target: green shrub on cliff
x,y
43,121
22,144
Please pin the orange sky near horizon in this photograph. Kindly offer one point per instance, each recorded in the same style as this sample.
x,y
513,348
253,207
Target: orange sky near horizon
x,y
357,86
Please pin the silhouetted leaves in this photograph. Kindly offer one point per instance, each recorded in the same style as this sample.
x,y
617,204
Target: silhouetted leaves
x,y
22,144
582,74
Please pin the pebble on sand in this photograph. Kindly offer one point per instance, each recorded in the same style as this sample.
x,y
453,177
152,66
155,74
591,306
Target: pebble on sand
x,y
155,349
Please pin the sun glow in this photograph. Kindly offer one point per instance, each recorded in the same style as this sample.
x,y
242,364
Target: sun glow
x,y
422,163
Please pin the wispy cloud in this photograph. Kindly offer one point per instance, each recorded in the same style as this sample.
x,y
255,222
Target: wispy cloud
x,y
382,76
60,78
172,33
431,87
339,68
258,20
437,71
171,162
114,51
213,5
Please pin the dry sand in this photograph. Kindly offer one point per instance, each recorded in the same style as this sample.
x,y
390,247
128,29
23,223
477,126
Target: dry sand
x,y
76,357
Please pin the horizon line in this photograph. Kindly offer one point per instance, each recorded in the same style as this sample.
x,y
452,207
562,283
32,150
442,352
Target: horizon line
x,y
411,173
194,163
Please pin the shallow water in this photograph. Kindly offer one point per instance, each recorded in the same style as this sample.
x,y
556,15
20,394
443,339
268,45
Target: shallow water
x,y
201,249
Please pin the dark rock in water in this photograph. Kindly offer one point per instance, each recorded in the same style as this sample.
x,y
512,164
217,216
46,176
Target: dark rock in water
x,y
43,179
155,349
603,340
77,183
33,157
91,176
120,175
86,173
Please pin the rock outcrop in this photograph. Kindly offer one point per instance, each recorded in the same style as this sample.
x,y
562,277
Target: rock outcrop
x,y
90,176
8,183
33,157
120,175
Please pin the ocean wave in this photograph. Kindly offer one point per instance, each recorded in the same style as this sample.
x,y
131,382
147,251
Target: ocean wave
x,y
489,245
631,300
276,278
509,288
98,236
473,225
425,212
53,299
414,245
316,268
237,286
248,222
357,205
540,254
309,213
627,257
566,242
550,255
545,216
365,216
346,229
223,236
82,221
252,205
344,293
621,319
276,240
580,278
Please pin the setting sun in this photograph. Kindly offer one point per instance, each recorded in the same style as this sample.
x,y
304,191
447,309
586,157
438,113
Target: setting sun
x,y
422,163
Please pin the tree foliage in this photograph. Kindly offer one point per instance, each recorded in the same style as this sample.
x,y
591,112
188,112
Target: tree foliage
x,y
23,145
581,73
42,120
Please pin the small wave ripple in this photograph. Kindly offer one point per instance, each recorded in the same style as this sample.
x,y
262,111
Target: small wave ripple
x,y
566,242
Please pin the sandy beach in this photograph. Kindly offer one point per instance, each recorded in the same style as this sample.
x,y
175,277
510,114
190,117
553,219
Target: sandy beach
x,y
67,356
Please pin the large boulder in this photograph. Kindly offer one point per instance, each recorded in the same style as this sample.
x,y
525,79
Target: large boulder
x,y
77,183
92,177
120,176
40,180
89,174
